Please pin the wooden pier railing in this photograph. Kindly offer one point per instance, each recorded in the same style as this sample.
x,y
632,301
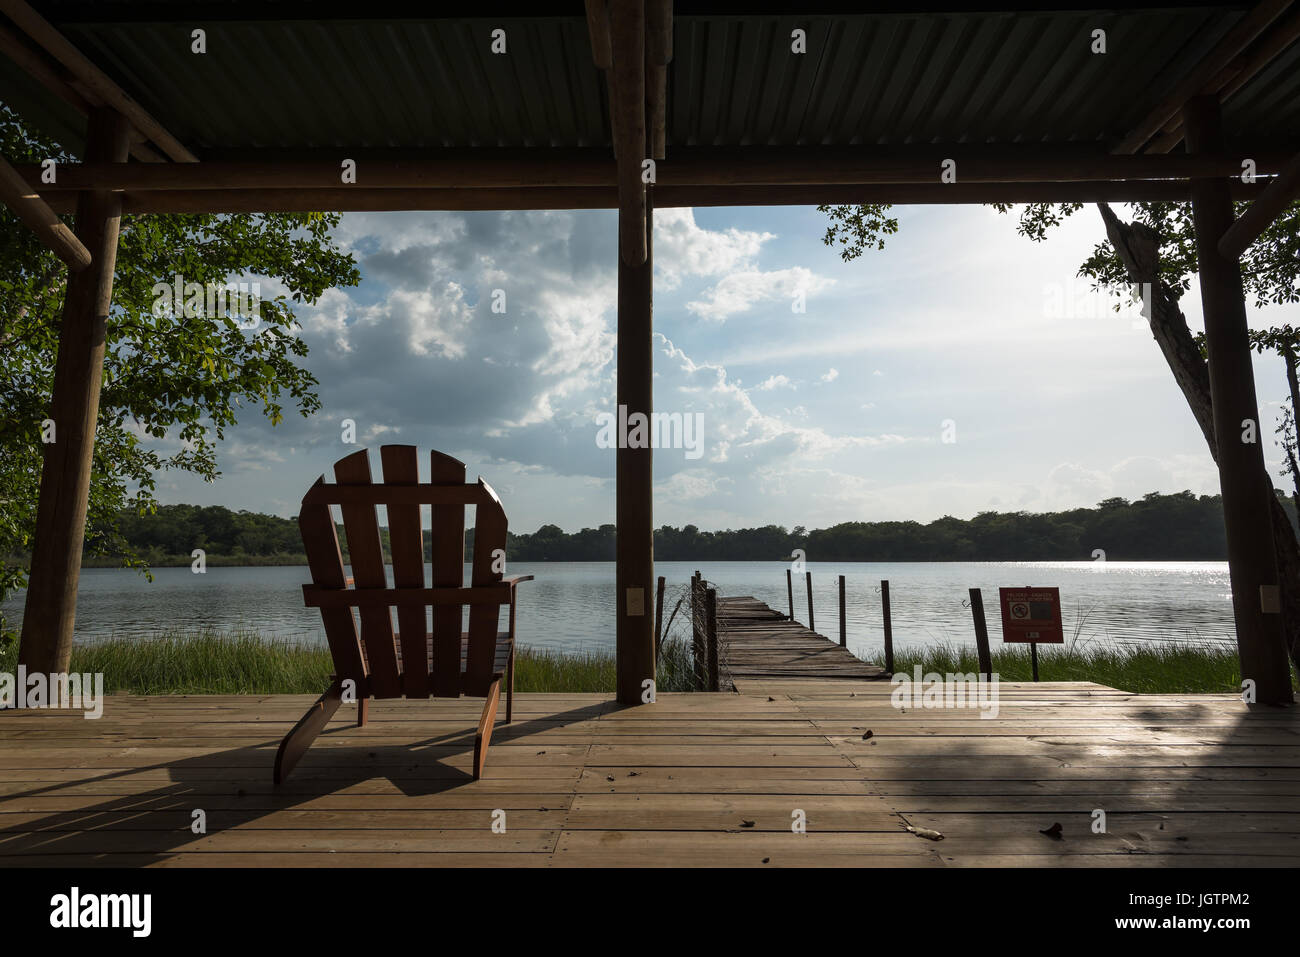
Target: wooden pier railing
x,y
737,637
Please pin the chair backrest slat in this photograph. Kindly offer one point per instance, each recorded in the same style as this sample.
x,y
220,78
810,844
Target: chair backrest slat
x,y
432,658
406,542
320,541
448,553
365,548
484,620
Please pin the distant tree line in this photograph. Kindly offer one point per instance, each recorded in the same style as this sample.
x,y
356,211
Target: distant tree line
x,y
1156,527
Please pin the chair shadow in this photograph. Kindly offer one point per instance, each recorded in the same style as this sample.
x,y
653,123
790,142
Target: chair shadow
x,y
233,787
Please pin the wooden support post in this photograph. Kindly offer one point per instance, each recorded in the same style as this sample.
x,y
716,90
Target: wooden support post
x,y
981,634
1247,489
51,608
844,628
889,628
697,632
634,633
628,116
711,634
789,591
659,614
1033,658
808,580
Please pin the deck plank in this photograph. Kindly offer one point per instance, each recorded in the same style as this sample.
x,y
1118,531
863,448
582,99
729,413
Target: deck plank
x,y
695,779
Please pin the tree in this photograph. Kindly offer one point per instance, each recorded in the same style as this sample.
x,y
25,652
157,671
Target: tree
x,y
1157,252
174,379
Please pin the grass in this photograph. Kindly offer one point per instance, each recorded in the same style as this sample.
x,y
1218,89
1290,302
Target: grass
x,y
1157,668
242,662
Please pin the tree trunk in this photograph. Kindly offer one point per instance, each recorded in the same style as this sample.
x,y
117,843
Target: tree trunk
x,y
1293,385
1138,248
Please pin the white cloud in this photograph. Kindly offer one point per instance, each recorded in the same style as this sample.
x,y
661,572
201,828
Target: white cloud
x,y
683,249
740,291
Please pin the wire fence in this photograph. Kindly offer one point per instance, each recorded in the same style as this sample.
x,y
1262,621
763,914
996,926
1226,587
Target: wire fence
x,y
708,656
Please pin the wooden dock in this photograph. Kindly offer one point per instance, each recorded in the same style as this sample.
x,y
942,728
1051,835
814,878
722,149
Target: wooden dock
x,y
755,641
695,779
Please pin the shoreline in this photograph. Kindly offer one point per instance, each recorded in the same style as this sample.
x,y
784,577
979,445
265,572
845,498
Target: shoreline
x,y
212,662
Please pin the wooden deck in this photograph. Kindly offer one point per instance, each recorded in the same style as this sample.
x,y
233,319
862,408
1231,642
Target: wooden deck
x,y
757,641
696,779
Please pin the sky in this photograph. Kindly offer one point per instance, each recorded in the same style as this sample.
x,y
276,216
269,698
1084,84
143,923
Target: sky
x,y
963,368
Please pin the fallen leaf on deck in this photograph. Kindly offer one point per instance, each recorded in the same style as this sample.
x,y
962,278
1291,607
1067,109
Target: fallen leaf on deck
x,y
1053,832
925,832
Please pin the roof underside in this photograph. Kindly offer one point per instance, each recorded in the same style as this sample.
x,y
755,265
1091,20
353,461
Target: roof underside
x,y
886,78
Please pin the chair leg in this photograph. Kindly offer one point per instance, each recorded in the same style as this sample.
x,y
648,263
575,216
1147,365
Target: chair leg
x,y
485,722
510,685
297,741
363,712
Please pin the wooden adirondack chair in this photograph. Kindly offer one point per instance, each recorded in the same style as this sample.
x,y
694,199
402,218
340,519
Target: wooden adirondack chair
x,y
411,661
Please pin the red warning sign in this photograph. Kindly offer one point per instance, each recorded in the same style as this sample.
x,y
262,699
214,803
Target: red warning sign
x,y
1031,614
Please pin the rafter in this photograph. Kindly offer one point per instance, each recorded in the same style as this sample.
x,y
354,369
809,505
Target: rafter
x,y
1233,43
95,80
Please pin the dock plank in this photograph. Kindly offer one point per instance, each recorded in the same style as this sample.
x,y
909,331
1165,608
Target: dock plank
x,y
758,642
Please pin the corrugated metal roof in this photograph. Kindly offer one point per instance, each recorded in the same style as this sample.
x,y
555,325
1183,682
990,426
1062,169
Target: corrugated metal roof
x,y
895,78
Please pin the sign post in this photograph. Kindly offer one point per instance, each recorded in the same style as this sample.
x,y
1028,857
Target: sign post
x,y
1031,615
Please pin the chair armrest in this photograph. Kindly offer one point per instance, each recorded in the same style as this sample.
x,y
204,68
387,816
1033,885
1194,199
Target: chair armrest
x,y
516,580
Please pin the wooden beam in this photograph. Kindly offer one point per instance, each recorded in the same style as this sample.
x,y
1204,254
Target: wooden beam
x,y
633,471
50,611
659,52
95,80
598,30
627,76
690,166
357,199
1279,194
1233,43
1243,478
38,67
1235,76
32,210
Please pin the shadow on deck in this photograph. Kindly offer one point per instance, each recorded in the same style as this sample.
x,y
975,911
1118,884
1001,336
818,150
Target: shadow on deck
x,y
695,779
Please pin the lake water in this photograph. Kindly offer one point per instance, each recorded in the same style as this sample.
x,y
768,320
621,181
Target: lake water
x,y
570,606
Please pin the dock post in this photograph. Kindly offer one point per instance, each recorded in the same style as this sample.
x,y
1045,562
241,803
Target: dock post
x,y
697,631
659,614
808,579
711,631
844,628
789,591
889,628
981,633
